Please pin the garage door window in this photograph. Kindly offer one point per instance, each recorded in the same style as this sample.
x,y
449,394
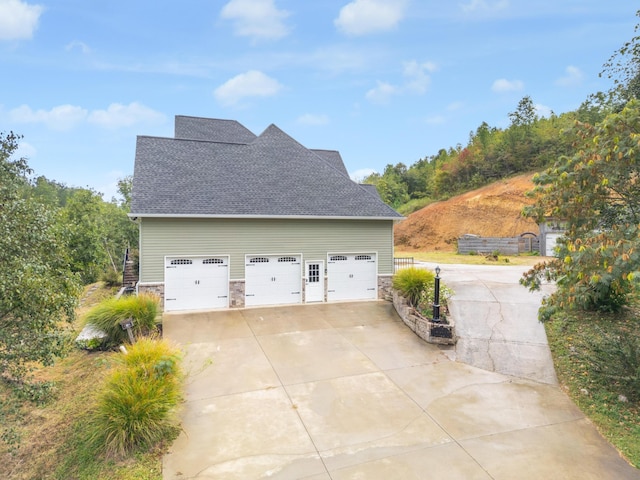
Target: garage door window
x,y
182,261
338,258
287,259
209,261
363,257
259,260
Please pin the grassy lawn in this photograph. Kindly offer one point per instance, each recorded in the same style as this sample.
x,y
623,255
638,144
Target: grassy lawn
x,y
571,337
452,257
48,441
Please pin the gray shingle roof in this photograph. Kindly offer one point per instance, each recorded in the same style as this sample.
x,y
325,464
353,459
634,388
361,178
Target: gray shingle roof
x,y
272,175
212,130
333,158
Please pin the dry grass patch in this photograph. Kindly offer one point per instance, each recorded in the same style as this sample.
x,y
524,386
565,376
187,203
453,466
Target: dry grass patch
x,y
49,440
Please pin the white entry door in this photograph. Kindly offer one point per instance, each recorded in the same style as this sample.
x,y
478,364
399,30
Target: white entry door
x,y
551,242
314,281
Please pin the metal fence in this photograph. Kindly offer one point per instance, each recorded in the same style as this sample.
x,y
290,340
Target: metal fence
x,y
402,262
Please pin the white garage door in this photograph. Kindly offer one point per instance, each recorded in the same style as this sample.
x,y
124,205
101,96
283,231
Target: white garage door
x,y
550,243
272,279
196,283
352,277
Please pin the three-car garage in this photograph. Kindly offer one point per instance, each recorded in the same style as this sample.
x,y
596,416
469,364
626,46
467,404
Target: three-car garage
x,y
202,282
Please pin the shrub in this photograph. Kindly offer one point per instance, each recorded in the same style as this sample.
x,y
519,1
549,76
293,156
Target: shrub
x,y
108,314
410,282
111,278
137,405
425,303
615,359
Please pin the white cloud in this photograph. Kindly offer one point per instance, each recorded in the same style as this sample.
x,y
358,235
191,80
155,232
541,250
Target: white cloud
x,y
417,75
573,77
61,118
476,6
361,174
543,110
503,85
313,119
66,117
259,19
18,20
382,93
361,17
250,84
109,185
25,150
436,120
83,47
118,115
416,81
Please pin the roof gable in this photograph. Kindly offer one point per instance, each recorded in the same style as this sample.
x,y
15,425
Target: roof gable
x,y
273,176
212,130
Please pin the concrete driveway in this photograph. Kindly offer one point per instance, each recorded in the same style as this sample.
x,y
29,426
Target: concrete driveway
x,y
347,391
497,321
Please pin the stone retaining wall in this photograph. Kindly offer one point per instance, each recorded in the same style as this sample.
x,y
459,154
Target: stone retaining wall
x,y
439,333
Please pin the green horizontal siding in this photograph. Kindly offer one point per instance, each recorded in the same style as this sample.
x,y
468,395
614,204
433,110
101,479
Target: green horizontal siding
x,y
238,237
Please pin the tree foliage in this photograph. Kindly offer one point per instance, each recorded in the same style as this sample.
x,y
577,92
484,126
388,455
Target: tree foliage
x,y
38,291
596,193
53,238
623,67
529,143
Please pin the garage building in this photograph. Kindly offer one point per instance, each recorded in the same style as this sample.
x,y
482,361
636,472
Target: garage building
x,y
231,219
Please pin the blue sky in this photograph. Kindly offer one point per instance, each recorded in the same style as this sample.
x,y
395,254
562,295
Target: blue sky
x,y
382,81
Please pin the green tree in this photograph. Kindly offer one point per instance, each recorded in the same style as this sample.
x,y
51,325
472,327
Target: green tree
x,y
51,192
391,185
82,217
125,187
118,233
596,192
623,67
38,291
525,114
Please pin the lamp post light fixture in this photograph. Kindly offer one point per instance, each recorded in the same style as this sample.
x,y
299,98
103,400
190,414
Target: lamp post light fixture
x,y
436,297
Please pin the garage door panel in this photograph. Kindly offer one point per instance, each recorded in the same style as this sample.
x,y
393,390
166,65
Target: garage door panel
x,y
273,280
352,277
196,283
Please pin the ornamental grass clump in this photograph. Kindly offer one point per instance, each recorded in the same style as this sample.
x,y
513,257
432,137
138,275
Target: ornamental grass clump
x,y
107,315
136,408
410,282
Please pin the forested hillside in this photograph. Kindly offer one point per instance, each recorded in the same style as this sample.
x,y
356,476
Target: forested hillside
x,y
530,143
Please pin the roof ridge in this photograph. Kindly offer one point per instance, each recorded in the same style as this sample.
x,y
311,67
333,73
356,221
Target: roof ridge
x,y
200,140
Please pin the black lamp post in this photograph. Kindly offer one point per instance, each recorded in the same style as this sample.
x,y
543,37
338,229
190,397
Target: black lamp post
x,y
436,297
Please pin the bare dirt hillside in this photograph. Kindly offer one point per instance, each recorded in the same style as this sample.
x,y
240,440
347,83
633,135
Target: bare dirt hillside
x,y
491,211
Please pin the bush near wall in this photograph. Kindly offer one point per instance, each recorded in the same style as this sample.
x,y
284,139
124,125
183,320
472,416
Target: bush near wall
x,y
411,282
136,407
107,315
